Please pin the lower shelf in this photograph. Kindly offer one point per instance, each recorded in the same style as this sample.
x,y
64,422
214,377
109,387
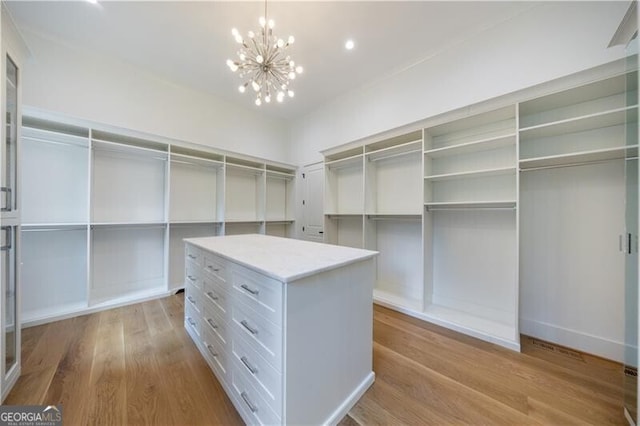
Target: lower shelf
x,y
43,316
394,301
499,333
33,317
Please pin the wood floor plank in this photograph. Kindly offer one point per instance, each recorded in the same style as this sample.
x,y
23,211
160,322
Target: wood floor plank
x,y
50,347
71,382
147,401
369,412
407,410
156,318
107,377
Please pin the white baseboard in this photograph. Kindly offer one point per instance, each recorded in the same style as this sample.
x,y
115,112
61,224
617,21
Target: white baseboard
x,y
574,339
348,403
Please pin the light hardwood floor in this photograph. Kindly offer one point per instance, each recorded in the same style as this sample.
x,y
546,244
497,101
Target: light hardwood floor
x,y
136,365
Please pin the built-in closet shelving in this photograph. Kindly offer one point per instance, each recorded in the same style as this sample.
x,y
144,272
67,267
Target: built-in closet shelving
x,y
196,201
279,207
55,217
470,225
106,211
503,217
128,217
344,198
373,199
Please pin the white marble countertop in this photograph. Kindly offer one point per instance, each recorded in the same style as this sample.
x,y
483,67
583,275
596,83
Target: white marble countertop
x,y
284,259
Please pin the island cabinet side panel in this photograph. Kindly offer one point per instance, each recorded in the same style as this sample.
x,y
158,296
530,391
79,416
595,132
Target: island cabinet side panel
x,y
328,343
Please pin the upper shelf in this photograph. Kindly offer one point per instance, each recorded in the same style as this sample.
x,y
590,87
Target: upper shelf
x,y
474,146
583,123
395,151
580,157
472,174
352,161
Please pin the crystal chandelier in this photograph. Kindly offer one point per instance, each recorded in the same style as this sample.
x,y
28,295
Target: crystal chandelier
x,y
263,63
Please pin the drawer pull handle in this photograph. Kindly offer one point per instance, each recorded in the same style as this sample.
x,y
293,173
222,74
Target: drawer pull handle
x,y
192,322
252,407
250,367
192,300
213,269
246,287
246,325
192,256
191,278
211,296
211,351
211,323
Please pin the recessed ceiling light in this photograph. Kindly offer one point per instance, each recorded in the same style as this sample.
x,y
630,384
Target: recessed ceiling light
x,y
92,1
349,45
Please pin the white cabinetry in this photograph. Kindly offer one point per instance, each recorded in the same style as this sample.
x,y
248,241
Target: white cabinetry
x,y
257,306
521,227
105,211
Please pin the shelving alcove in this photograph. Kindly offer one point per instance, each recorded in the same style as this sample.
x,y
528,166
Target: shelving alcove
x,y
106,209
509,217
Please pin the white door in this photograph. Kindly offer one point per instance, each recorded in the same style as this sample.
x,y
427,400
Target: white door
x,y
312,204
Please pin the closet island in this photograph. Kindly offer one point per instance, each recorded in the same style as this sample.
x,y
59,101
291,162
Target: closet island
x,y
285,325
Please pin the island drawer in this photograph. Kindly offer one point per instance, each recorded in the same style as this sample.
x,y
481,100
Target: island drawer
x,y
192,298
216,266
263,294
194,254
192,274
215,324
216,296
192,320
216,353
265,378
262,335
250,399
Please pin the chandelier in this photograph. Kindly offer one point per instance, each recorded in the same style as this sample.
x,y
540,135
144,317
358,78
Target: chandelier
x,y
263,63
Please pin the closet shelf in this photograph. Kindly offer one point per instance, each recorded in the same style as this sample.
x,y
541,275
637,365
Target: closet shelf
x,y
248,169
53,226
474,146
340,215
195,222
472,174
280,175
117,147
462,205
195,161
576,158
355,160
500,332
67,141
395,151
394,216
127,224
582,123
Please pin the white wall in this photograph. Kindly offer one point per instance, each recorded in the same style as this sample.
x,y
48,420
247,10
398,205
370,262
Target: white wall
x,y
78,83
551,40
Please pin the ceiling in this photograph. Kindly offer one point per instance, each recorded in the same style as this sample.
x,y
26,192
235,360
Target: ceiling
x,y
188,42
